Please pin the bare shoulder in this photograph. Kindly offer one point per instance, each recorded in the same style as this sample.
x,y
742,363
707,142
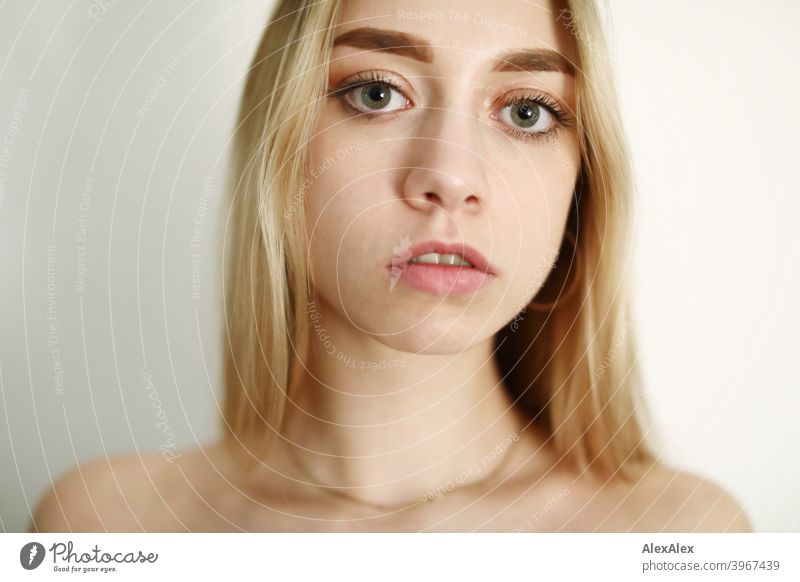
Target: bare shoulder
x,y
667,499
121,493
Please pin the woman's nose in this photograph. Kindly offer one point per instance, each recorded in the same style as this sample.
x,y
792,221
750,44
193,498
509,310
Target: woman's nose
x,y
446,169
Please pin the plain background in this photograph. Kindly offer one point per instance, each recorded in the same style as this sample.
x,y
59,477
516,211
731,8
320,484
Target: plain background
x,y
105,144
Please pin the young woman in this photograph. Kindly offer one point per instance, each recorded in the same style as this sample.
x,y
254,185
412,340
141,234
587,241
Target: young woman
x,y
427,317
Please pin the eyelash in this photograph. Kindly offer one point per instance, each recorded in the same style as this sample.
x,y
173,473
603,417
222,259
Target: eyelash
x,y
562,119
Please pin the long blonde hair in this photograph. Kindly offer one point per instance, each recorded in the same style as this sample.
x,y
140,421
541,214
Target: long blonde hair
x,y
572,367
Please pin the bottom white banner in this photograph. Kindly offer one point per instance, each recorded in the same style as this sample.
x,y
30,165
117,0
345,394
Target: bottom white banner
x,y
387,557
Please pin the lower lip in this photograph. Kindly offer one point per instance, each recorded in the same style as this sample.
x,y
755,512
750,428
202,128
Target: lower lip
x,y
442,279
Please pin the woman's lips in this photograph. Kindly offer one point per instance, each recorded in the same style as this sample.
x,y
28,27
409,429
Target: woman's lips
x,y
442,279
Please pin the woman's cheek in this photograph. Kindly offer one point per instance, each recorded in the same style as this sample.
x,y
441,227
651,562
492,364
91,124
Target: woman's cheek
x,y
529,220
342,219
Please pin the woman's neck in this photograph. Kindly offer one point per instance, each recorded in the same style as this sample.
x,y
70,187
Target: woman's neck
x,y
395,427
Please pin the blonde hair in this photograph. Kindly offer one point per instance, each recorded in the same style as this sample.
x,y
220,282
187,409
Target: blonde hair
x,y
572,367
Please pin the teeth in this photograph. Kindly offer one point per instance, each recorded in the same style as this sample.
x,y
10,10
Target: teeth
x,y
441,259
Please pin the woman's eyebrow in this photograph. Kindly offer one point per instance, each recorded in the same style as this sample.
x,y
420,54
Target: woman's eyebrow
x,y
415,47
390,41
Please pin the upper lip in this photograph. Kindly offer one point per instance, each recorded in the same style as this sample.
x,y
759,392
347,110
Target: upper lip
x,y
471,254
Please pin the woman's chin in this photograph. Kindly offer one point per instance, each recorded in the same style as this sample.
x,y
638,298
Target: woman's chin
x,y
428,339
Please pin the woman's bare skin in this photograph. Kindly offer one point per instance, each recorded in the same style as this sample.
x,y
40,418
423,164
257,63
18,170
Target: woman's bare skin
x,y
203,490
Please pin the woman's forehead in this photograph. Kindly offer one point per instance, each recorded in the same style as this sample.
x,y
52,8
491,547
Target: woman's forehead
x,y
449,26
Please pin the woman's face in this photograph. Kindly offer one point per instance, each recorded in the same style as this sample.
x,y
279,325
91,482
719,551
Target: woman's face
x,y
451,125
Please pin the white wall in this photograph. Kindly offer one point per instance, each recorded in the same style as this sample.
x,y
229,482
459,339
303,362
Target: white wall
x,y
89,115
710,95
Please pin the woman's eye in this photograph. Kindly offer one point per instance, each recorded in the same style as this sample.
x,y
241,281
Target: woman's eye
x,y
528,116
376,97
